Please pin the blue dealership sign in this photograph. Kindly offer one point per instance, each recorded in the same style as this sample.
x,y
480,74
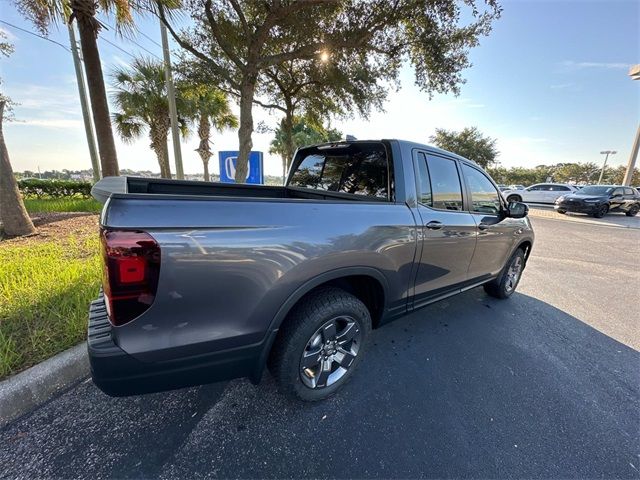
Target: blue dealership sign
x,y
228,167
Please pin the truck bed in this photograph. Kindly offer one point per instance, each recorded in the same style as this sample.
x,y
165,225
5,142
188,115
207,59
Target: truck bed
x,y
161,186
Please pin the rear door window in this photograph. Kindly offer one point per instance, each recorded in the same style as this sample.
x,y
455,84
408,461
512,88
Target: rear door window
x,y
357,169
446,190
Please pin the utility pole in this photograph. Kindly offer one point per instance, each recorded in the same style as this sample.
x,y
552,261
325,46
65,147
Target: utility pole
x,y
607,153
634,73
84,105
631,166
171,94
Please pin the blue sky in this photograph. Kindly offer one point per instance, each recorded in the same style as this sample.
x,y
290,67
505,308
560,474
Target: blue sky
x,y
550,83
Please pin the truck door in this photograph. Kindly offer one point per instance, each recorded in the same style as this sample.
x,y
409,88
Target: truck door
x,y
448,232
496,234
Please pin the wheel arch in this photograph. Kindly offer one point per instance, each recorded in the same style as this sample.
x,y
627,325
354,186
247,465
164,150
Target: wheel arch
x,y
525,245
366,283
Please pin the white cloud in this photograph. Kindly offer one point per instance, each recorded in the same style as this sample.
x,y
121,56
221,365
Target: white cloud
x,y
9,35
58,123
605,65
45,100
120,61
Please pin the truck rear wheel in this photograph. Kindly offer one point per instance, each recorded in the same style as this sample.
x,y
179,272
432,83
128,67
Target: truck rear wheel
x,y
320,344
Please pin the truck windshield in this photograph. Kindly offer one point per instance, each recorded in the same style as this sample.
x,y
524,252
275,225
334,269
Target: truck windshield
x,y
356,168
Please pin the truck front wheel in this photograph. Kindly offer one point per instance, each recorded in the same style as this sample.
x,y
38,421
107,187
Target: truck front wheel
x,y
320,344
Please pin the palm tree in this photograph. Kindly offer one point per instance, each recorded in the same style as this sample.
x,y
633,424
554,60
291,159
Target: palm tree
x,y
14,216
141,97
210,108
44,13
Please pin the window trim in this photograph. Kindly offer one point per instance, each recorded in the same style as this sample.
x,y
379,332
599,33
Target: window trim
x,y
389,197
427,154
501,199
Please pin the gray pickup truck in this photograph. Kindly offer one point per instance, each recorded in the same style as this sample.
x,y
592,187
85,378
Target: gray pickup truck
x,y
207,281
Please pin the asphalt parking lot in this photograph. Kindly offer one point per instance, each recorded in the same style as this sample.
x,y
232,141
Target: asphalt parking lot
x,y
543,385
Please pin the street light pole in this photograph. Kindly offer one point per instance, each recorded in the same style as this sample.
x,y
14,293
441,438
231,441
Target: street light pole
x,y
173,111
84,105
607,153
634,73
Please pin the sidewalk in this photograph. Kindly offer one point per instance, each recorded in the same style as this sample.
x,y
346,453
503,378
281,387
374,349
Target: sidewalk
x,y
610,220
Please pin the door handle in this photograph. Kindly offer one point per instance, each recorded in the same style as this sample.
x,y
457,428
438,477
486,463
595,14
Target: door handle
x,y
434,225
483,226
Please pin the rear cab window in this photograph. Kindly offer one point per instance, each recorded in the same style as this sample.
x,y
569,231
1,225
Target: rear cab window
x,y
439,183
360,169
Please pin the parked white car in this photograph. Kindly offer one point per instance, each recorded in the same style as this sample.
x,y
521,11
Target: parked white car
x,y
539,193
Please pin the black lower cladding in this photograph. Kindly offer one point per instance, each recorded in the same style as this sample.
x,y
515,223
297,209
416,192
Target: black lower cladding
x,y
119,374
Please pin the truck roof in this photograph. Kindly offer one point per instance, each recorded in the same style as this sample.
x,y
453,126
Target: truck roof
x,y
407,143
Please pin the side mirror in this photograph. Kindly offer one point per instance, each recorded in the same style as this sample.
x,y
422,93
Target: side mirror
x,y
517,210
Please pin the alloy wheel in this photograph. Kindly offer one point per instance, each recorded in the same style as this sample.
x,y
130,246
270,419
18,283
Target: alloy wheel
x,y
513,274
330,352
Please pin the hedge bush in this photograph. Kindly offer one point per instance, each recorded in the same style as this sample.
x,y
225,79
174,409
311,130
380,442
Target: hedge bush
x,y
36,188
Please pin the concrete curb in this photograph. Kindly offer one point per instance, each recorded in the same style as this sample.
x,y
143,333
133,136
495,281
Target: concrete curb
x,y
26,390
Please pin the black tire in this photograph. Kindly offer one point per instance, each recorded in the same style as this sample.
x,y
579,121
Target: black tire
x,y
601,211
299,329
504,286
633,211
514,198
561,211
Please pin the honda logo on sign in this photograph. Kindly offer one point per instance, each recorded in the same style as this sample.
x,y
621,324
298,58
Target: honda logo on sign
x,y
228,162
230,167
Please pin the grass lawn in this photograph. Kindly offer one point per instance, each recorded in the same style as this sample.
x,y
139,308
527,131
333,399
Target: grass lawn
x,y
46,284
62,205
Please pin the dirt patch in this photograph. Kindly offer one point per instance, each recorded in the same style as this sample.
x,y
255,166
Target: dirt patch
x,y
54,226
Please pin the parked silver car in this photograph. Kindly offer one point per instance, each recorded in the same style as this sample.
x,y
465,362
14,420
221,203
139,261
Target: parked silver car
x,y
539,193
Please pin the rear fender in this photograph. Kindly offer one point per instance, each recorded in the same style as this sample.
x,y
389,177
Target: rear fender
x,y
300,292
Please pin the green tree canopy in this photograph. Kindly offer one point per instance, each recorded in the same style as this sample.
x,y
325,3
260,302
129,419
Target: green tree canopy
x,y
468,143
319,90
305,132
236,41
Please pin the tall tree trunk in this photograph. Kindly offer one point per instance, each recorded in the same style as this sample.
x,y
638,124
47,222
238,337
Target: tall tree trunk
x,y
204,132
159,135
287,126
247,92
205,165
14,216
84,12
284,169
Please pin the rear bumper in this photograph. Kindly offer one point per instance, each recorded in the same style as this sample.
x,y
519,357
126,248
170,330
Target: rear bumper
x,y
118,374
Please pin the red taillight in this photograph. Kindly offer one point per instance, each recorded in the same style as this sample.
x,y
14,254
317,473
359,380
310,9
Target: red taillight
x,y
131,271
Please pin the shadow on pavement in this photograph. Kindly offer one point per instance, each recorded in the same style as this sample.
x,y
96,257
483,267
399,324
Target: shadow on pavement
x,y
469,387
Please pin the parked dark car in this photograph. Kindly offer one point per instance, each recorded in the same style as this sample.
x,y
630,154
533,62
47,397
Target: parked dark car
x,y
598,200
209,281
